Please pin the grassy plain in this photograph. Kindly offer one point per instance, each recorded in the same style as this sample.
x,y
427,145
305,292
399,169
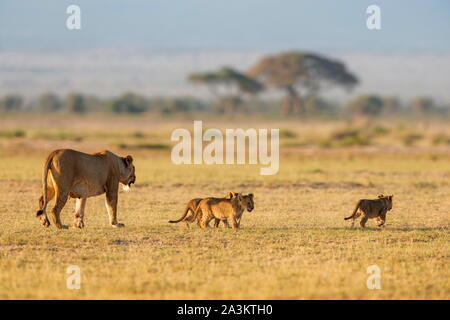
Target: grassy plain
x,y
294,245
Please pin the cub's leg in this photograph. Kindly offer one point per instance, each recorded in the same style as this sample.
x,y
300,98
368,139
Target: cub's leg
x,y
199,218
217,222
234,223
206,219
78,221
189,217
355,216
61,199
382,219
363,221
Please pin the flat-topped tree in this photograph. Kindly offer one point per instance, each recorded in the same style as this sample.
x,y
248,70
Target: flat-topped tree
x,y
228,86
301,74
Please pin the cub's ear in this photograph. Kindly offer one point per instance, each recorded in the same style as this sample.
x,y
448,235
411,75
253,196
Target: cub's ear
x,y
250,195
380,196
128,160
230,195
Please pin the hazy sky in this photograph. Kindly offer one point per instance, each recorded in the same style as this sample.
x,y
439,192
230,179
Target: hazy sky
x,y
150,46
326,25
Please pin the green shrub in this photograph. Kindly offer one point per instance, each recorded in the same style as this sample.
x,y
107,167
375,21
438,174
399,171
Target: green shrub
x,y
380,131
350,137
288,134
441,139
411,139
17,133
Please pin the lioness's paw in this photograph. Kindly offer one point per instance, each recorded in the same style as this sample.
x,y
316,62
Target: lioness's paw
x,y
118,225
62,226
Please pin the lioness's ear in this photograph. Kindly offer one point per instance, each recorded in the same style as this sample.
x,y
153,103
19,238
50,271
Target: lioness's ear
x,y
250,195
230,195
128,160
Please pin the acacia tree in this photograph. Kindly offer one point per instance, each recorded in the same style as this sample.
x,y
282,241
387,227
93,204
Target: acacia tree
x,y
301,75
228,86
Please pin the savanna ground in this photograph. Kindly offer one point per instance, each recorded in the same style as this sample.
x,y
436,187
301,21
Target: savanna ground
x,y
294,245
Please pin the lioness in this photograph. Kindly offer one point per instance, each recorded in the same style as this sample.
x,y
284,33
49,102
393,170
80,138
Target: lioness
x,y
372,209
223,209
80,175
191,206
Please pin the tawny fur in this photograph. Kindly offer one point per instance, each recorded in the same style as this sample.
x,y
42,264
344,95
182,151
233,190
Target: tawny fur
x,y
372,209
221,209
69,173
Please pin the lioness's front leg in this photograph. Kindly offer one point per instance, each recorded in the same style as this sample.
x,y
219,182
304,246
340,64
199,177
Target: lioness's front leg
x,y
111,207
78,221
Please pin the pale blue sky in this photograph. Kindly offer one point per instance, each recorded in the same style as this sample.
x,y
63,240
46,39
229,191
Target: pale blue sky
x,y
181,25
149,46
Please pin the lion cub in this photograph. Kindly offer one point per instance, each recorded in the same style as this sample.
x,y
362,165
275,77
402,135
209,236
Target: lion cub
x,y
189,212
372,209
223,209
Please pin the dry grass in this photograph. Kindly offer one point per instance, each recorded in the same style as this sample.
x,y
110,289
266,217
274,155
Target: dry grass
x,y
295,245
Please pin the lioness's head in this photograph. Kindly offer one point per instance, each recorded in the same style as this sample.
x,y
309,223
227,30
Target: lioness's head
x,y
245,200
127,172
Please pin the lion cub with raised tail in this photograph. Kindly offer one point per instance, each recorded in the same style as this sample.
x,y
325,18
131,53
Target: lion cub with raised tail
x,y
372,209
189,212
223,209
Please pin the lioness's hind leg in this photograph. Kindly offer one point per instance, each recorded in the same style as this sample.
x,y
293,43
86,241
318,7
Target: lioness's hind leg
x,y
61,199
44,220
78,221
50,195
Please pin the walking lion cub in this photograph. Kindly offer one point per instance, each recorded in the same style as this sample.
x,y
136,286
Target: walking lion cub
x,y
372,209
191,207
223,209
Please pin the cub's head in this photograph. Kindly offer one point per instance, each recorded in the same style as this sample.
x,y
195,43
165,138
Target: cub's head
x,y
127,172
389,200
245,200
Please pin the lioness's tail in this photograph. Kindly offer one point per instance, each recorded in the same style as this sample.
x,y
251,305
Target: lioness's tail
x,y
354,211
184,215
44,185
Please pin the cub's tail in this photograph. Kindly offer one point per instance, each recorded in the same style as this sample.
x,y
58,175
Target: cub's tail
x,y
354,211
184,215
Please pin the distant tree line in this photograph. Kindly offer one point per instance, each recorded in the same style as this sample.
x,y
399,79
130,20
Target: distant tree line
x,y
369,105
302,76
